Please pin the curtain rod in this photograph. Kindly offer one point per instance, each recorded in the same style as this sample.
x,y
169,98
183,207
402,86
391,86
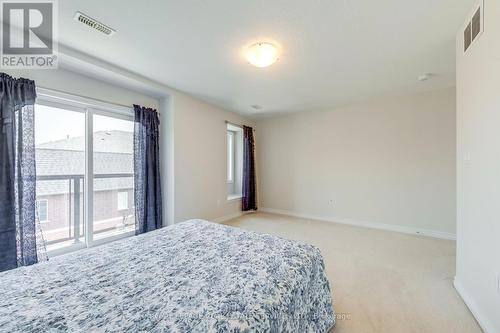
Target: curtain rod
x,y
237,125
230,123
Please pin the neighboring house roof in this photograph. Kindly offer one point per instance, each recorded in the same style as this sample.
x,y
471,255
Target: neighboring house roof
x,y
66,157
104,141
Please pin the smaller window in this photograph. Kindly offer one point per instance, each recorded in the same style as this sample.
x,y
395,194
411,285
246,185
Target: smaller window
x,y
122,200
234,161
230,156
42,207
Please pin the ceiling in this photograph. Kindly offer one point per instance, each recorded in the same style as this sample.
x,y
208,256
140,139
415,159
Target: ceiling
x,y
334,52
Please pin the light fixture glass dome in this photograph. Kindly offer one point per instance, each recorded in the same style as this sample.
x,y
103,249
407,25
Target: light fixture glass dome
x,y
262,54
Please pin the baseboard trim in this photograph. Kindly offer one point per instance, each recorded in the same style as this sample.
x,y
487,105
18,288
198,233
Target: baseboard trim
x,y
485,324
223,219
365,224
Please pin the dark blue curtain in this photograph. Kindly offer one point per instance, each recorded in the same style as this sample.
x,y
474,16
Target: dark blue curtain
x,y
249,200
147,192
18,245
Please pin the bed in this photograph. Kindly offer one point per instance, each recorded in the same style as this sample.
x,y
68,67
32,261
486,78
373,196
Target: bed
x,y
195,276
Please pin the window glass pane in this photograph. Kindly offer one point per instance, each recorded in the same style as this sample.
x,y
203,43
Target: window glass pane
x,y
230,156
122,200
113,209
42,210
60,164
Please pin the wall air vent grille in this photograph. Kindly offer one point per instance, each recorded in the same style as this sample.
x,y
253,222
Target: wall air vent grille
x,y
91,23
467,37
474,26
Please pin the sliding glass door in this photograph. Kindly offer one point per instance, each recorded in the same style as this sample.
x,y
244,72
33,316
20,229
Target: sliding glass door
x,y
85,181
60,166
113,158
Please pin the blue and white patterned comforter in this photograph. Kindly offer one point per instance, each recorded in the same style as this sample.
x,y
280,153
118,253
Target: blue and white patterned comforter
x,y
195,276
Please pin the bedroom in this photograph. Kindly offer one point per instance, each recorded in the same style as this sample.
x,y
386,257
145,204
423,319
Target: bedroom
x,y
284,166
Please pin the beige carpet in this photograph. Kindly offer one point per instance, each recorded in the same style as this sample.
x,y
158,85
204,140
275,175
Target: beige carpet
x,y
381,281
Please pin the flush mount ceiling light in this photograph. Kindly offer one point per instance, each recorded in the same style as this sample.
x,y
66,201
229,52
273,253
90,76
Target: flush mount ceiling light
x,y
262,54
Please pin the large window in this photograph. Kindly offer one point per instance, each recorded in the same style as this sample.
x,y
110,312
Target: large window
x,y
84,156
60,166
234,161
113,159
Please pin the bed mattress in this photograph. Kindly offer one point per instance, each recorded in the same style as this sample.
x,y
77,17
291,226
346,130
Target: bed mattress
x,y
195,276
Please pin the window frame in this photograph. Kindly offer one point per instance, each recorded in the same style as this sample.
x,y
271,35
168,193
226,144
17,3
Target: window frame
x,y
231,156
235,163
88,107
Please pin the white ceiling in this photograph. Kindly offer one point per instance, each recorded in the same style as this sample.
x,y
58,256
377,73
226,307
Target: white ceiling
x,y
335,52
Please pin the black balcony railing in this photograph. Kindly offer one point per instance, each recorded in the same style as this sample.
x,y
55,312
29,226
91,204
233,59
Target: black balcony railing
x,y
76,185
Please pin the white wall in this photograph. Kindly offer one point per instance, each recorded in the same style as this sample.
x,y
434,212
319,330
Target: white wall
x,y
478,171
390,161
200,160
167,128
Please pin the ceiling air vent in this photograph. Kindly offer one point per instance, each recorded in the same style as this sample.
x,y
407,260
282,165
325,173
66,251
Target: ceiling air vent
x,y
96,25
474,26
